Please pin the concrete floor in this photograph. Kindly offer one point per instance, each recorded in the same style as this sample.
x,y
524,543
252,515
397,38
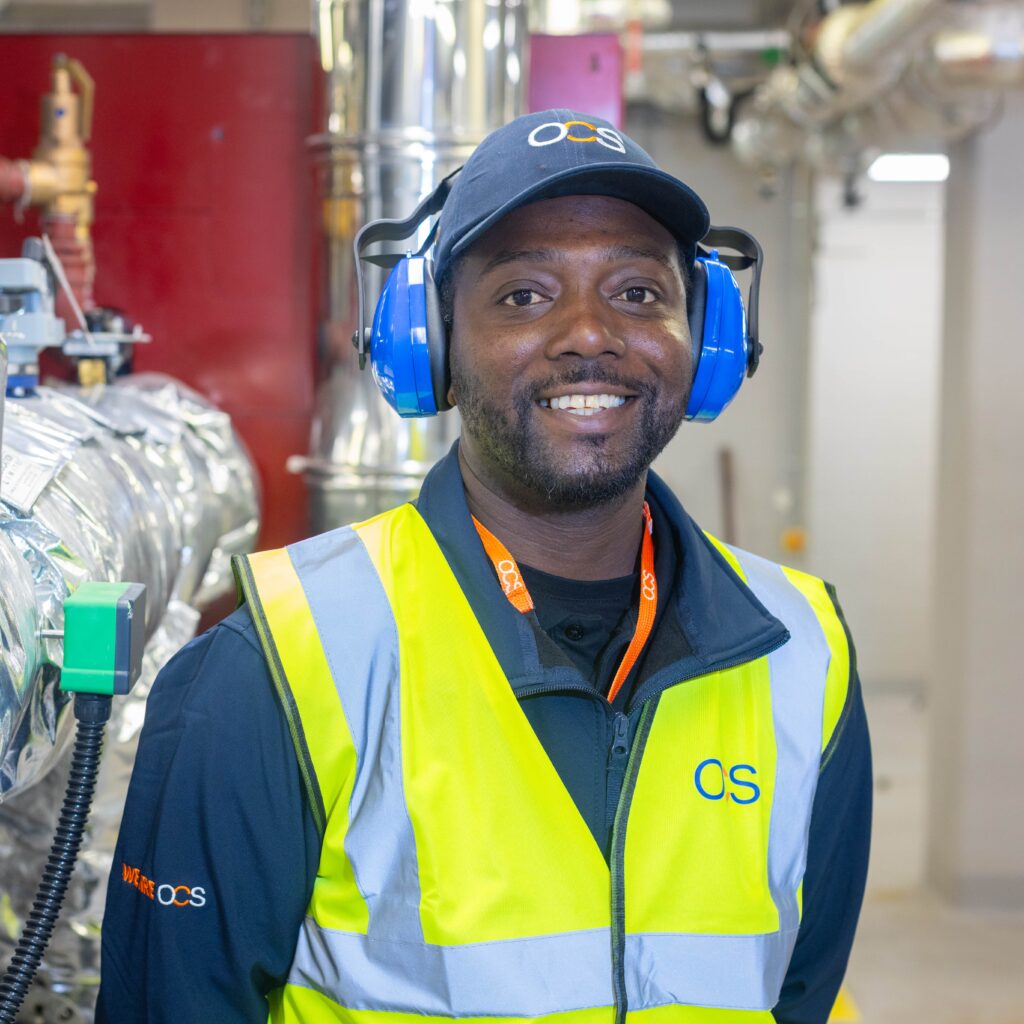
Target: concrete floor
x,y
916,960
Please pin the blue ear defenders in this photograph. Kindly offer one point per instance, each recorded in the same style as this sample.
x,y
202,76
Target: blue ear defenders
x,y
408,343
726,347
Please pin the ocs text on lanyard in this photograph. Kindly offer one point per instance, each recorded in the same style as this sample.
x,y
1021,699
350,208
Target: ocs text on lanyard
x,y
511,580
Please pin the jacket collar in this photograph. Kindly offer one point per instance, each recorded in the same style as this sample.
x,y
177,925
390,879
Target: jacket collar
x,y
712,619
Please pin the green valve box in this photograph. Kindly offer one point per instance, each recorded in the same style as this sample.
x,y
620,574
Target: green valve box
x,y
104,633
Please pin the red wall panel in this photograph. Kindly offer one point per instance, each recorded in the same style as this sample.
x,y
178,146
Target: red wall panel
x,y
205,219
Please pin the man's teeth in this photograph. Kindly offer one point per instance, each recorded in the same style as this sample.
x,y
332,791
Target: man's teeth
x,y
582,405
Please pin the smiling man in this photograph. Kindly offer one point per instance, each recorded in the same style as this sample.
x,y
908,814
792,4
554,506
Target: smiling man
x,y
570,365
535,747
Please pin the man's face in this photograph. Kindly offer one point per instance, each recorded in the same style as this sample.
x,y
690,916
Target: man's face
x,y
569,302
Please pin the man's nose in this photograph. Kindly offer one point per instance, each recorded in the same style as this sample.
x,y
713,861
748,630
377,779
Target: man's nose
x,y
584,329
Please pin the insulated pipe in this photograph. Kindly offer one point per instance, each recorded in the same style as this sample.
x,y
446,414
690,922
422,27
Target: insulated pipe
x,y
858,53
873,80
3,399
882,26
141,479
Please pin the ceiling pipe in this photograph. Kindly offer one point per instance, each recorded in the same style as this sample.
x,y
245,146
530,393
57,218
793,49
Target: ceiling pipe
x,y
877,74
976,59
879,27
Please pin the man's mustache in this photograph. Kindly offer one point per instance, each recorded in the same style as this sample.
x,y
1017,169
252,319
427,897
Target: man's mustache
x,y
591,374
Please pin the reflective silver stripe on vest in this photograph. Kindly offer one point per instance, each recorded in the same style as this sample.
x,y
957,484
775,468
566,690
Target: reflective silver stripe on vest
x,y
746,972
360,640
798,672
512,978
727,971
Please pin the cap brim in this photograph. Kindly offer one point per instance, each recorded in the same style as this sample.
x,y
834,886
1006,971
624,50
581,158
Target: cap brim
x,y
664,197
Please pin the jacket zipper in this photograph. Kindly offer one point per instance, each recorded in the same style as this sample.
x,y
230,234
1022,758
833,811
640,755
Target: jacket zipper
x,y
618,858
620,747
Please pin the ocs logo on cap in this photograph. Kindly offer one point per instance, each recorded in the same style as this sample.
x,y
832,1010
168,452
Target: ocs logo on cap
x,y
550,132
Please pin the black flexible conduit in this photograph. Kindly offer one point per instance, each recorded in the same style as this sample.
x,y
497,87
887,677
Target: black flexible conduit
x,y
92,712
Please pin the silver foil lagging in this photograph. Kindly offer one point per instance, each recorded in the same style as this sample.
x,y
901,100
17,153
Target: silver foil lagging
x,y
142,481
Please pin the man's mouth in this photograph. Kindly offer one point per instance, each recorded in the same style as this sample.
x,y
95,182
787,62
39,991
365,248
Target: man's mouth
x,y
583,405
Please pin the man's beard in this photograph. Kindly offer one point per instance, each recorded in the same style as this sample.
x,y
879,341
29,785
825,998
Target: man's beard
x,y
591,475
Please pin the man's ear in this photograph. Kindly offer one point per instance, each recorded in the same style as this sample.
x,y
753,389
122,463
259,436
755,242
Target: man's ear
x,y
451,397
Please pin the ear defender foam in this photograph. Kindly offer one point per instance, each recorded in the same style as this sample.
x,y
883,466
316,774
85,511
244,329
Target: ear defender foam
x,y
718,329
437,340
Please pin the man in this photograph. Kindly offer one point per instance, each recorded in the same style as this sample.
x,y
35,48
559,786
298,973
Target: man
x,y
537,746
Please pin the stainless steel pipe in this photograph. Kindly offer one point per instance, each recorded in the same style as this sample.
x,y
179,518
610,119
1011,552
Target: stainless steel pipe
x,y
411,87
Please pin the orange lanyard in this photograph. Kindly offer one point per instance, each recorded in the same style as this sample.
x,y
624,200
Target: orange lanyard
x,y
511,580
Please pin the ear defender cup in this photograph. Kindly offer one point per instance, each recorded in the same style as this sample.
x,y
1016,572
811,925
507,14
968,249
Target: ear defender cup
x,y
718,329
408,343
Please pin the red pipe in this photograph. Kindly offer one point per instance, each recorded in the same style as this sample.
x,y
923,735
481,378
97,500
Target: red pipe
x,y
12,181
77,261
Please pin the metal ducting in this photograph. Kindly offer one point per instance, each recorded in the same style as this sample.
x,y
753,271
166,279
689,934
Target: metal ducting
x,y
140,481
411,89
881,74
579,16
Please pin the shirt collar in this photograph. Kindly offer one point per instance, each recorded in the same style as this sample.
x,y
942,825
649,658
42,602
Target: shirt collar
x,y
720,620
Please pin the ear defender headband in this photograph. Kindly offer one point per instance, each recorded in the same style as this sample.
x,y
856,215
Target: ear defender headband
x,y
408,341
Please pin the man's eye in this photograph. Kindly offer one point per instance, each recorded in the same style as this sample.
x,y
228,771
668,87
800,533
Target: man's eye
x,y
521,297
639,294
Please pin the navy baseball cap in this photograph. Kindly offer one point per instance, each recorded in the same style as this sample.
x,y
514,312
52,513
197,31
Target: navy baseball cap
x,y
561,153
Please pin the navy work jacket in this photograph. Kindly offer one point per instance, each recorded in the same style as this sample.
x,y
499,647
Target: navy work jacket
x,y
218,849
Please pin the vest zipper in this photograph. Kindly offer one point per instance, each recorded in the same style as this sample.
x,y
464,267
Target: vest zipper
x,y
618,755
618,858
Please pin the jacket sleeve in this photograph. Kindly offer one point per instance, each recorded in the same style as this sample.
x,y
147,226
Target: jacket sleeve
x,y
217,853
837,862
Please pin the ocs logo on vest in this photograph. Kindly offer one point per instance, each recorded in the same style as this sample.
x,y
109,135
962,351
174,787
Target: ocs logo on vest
x,y
714,781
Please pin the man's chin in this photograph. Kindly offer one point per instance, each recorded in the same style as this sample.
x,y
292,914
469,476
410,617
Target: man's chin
x,y
550,465
574,484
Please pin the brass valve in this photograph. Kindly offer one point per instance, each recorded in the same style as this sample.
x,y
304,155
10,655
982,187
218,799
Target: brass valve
x,y
58,178
59,175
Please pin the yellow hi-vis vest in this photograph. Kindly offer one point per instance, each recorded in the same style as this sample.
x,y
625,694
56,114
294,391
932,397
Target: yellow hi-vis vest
x,y
457,878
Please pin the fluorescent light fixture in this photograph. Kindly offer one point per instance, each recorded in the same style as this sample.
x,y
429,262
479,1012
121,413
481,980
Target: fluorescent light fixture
x,y
910,167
